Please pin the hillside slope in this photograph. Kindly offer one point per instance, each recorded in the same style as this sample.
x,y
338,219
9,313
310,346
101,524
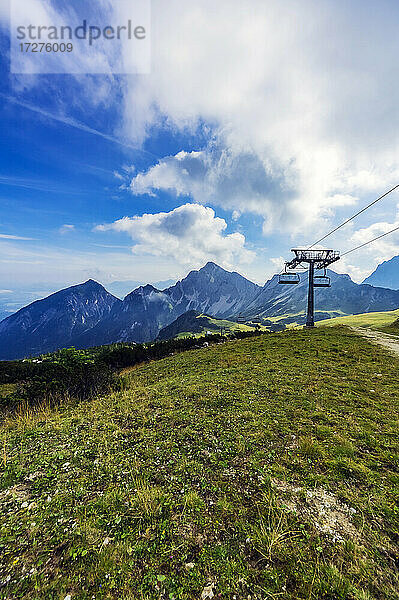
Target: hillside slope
x,y
194,322
264,468
386,274
374,320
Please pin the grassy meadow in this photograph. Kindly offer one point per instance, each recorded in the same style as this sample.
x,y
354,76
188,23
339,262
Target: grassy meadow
x,y
264,468
216,325
373,320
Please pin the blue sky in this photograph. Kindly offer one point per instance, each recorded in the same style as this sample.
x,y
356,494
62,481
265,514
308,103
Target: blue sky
x,y
261,125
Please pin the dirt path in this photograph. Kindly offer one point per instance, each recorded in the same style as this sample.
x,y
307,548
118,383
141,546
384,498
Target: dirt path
x,y
377,337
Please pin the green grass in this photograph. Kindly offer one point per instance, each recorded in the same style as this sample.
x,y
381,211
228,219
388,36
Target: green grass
x,y
374,320
215,326
392,329
262,468
6,389
283,318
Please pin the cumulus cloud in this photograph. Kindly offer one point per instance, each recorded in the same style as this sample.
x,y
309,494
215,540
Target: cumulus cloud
x,y
365,260
190,234
385,247
299,100
298,104
278,262
222,178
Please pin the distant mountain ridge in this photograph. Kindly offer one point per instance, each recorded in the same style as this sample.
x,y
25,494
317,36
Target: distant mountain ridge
x,y
121,289
87,315
344,296
213,291
386,274
146,310
56,321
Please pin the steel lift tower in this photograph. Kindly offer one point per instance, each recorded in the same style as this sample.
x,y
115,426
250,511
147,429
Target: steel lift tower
x,y
316,259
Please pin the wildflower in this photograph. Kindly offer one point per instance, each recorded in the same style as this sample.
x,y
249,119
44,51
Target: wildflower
x,y
207,592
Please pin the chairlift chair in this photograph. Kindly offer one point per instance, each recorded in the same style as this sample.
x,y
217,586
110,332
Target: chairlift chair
x,y
289,277
322,281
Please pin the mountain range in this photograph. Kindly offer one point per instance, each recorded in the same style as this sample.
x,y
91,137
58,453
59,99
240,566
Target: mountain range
x,y
120,289
386,274
88,315
146,310
343,297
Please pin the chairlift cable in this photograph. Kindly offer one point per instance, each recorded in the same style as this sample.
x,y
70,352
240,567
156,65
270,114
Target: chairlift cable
x,y
370,241
324,281
354,216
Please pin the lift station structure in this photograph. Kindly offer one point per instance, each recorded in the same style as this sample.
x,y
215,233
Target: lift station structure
x,y
317,259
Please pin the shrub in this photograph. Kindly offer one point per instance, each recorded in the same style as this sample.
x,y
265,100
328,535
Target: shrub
x,y
82,374
69,374
120,356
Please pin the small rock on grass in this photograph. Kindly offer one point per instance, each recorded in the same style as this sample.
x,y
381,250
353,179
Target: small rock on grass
x,y
207,592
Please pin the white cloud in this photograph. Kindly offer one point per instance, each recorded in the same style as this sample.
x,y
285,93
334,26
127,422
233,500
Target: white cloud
x,y
66,229
5,236
190,234
278,262
299,101
222,178
69,122
27,264
301,94
364,261
99,57
299,97
382,249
